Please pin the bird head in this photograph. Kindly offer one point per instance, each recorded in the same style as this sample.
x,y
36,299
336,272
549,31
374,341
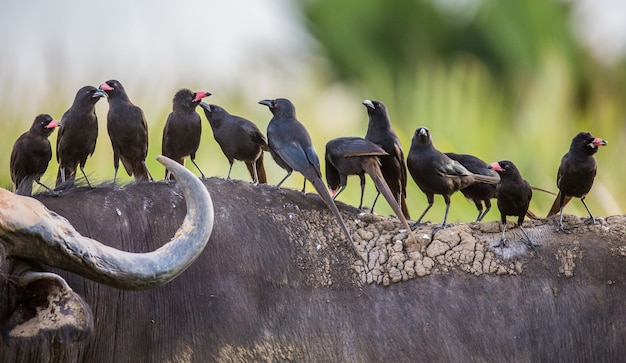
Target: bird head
x,y
280,106
587,142
505,169
422,136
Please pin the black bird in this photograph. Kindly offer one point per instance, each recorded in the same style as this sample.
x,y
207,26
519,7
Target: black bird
x,y
576,173
76,139
357,156
183,128
128,131
435,173
513,195
31,154
479,193
240,139
380,132
292,149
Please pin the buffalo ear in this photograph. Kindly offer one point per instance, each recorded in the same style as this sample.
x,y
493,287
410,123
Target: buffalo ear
x,y
46,311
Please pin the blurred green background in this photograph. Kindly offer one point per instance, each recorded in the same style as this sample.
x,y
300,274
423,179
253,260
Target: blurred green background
x,y
499,79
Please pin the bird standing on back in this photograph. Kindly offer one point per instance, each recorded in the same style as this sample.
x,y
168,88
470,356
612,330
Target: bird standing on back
x,y
240,139
435,173
380,132
77,136
128,131
183,128
513,195
357,156
31,154
479,193
576,173
292,149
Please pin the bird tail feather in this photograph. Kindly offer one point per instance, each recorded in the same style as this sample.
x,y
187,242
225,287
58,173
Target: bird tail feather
x,y
486,179
371,167
321,189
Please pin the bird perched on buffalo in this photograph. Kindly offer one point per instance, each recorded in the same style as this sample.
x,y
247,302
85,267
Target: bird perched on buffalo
x,y
128,131
77,136
291,147
183,128
357,156
513,195
380,132
576,173
31,154
240,139
436,173
479,193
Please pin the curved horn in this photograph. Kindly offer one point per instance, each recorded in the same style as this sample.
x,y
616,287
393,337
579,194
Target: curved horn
x,y
29,230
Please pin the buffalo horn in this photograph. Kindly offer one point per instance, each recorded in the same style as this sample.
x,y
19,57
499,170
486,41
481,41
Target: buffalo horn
x,y
29,230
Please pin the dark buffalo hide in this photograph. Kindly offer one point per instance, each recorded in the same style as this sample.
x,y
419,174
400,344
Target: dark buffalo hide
x,y
278,282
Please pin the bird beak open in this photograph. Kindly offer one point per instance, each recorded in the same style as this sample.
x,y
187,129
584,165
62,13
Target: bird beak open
x,y
267,103
205,106
99,93
200,95
368,103
598,142
333,192
52,124
495,166
105,87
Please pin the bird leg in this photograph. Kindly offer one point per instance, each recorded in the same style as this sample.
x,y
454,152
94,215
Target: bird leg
x,y
85,175
229,169
197,167
487,209
285,178
528,240
362,177
339,192
256,175
304,187
591,219
479,206
446,198
62,175
146,166
374,203
560,227
47,188
502,243
419,220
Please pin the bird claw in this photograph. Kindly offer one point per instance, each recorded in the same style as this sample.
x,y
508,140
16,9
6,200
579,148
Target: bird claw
x,y
418,224
590,220
561,229
501,244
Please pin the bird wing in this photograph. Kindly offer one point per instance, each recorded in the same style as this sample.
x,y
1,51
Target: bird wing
x,y
451,167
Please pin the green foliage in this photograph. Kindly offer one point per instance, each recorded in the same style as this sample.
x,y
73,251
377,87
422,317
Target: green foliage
x,y
505,80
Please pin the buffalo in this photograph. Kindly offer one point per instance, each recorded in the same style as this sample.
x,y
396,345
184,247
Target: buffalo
x,y
278,281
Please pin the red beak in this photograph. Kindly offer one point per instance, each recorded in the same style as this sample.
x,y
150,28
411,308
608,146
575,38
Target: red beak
x,y
52,124
496,166
106,87
599,142
200,95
